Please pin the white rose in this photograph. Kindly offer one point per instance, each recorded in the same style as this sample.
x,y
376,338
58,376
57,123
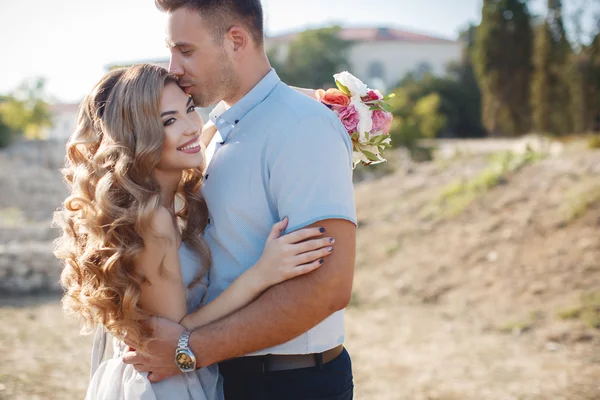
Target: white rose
x,y
355,85
357,157
365,122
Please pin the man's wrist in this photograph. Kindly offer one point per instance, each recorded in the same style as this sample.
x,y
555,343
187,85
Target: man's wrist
x,y
199,350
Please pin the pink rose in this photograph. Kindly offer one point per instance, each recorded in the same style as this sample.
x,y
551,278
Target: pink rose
x,y
382,121
372,96
349,117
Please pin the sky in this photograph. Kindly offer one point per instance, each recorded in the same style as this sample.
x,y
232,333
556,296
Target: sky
x,y
70,42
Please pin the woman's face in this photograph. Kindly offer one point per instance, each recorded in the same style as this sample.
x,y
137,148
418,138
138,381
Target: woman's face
x,y
183,126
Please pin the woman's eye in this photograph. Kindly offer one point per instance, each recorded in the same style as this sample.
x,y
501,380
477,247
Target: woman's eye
x,y
168,122
192,108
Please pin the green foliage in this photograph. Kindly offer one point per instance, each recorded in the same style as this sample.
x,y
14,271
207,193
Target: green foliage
x,y
313,58
502,60
551,81
415,119
6,133
25,111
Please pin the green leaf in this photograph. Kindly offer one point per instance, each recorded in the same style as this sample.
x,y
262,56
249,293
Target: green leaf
x,y
389,96
387,107
370,156
343,88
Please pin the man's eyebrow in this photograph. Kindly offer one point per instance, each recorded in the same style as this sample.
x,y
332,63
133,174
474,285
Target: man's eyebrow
x,y
175,112
171,44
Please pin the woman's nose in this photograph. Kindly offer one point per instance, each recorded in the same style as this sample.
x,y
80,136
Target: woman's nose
x,y
192,128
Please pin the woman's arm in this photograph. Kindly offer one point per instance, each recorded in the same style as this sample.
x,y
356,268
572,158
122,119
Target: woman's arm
x,y
163,292
284,258
309,92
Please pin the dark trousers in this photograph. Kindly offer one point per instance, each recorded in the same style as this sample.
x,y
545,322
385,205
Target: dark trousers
x,y
331,381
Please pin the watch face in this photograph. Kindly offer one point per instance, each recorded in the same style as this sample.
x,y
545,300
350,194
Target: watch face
x,y
185,361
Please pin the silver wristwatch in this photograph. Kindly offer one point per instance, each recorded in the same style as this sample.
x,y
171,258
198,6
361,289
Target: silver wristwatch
x,y
184,357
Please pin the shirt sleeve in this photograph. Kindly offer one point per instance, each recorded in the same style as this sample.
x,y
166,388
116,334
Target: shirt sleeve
x,y
310,176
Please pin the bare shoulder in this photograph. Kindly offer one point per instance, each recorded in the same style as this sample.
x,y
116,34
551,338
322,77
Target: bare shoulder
x,y
161,243
162,225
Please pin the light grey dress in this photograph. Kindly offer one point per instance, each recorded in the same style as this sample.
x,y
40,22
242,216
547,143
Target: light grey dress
x,y
115,380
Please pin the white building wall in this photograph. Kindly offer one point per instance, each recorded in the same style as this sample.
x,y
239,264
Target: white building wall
x,y
397,58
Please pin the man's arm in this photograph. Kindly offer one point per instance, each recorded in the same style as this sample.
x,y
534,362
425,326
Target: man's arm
x,y
286,310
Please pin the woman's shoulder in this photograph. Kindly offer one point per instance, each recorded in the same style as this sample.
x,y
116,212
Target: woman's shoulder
x,y
161,232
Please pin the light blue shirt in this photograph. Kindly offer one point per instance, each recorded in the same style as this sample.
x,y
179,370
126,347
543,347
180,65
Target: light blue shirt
x,y
277,153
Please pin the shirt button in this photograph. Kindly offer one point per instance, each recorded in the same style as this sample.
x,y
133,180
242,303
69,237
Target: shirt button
x,y
206,177
209,220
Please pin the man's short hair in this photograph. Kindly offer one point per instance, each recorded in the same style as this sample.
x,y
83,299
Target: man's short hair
x,y
223,14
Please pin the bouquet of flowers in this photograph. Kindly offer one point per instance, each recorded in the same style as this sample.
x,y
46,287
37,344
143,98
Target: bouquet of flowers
x,y
365,115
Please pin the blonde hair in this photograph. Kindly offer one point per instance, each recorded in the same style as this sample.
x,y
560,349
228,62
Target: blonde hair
x,y
109,168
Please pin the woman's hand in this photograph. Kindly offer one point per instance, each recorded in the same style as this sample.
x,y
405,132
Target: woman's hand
x,y
312,93
286,257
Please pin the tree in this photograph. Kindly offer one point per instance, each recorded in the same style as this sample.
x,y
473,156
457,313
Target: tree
x,y
551,88
313,58
5,133
584,70
502,60
458,93
414,120
25,111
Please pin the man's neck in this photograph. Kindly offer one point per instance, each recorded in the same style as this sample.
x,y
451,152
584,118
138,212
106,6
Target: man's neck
x,y
256,71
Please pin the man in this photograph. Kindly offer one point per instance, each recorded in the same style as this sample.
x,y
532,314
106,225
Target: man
x,y
277,153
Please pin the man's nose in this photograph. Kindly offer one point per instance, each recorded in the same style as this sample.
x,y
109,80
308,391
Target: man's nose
x,y
175,68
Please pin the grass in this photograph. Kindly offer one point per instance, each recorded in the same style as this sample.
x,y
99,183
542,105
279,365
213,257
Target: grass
x,y
594,142
518,327
11,216
457,196
587,311
578,203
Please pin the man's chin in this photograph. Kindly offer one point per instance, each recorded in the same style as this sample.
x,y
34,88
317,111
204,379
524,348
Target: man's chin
x,y
203,101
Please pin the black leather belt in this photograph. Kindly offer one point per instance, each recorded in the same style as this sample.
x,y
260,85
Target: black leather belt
x,y
278,362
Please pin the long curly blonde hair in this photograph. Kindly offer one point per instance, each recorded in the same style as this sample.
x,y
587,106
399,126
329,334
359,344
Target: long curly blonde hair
x,y
109,168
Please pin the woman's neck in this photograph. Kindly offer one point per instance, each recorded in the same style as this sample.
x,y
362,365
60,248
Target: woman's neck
x,y
168,182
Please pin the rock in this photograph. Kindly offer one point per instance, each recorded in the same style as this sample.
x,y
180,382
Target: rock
x,y
492,256
552,346
537,288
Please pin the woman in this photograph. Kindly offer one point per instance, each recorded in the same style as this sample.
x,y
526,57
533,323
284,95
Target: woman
x,y
132,229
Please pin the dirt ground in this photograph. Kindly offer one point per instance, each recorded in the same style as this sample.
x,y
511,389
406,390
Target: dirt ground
x,y
497,302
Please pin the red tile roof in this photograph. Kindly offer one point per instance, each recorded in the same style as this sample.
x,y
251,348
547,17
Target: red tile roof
x,y
371,35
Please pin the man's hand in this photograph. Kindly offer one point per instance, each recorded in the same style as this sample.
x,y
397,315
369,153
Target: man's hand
x,y
160,355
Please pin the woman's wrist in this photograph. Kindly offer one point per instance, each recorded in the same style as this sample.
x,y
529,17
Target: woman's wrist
x,y
254,279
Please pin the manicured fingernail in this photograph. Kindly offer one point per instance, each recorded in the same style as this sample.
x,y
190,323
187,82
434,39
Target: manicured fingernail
x,y
331,240
322,230
321,261
330,249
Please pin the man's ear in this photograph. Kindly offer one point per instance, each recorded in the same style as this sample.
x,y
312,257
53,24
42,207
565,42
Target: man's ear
x,y
238,40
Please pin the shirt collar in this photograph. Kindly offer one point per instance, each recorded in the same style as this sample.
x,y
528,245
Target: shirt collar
x,y
221,116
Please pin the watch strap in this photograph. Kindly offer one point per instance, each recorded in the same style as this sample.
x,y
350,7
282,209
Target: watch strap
x,y
184,340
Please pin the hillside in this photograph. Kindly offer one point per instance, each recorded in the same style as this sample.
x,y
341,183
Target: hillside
x,y
477,277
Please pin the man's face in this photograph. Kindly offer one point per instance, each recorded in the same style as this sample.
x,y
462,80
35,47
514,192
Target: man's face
x,y
204,69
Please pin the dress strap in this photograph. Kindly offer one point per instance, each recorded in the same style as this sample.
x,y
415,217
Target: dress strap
x,y
98,349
